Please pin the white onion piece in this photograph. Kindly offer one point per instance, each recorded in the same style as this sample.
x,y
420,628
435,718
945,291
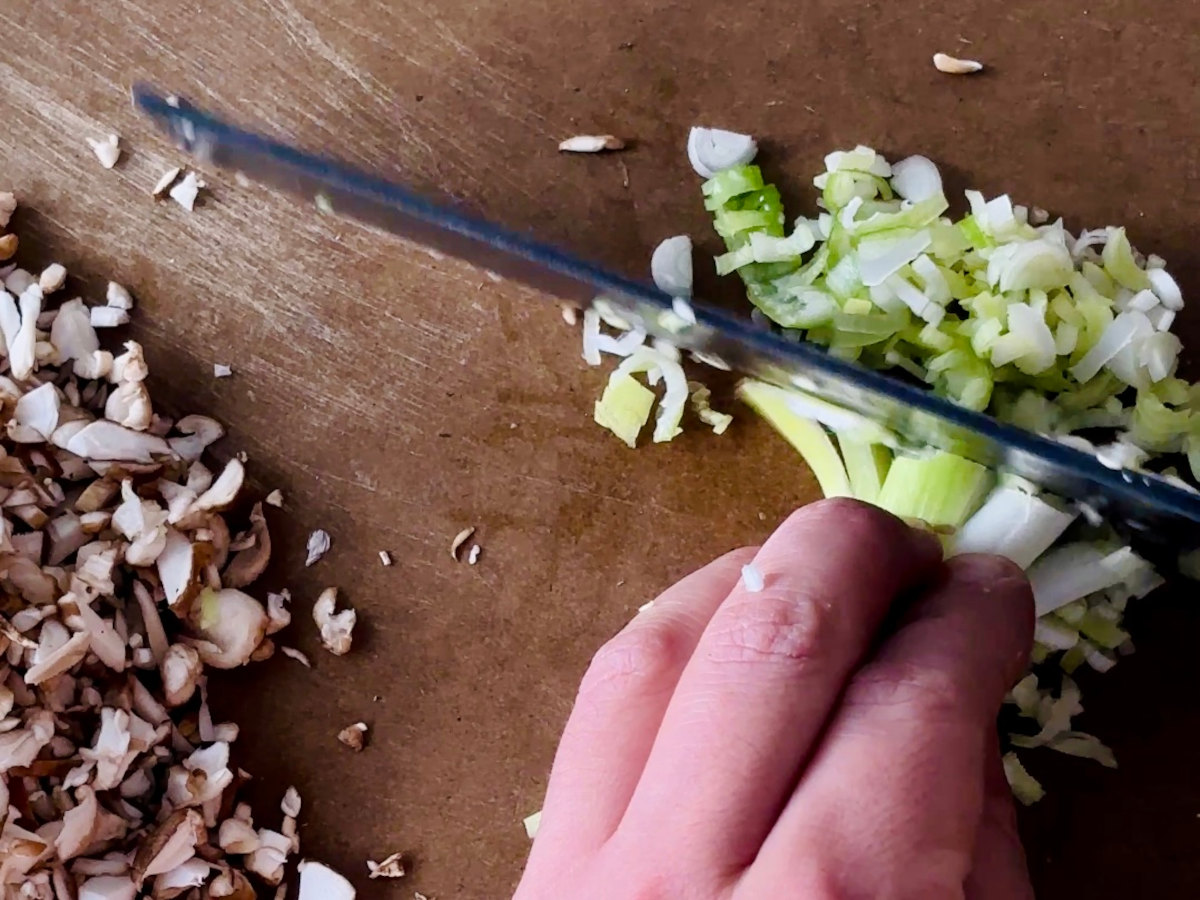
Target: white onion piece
x,y
1074,571
878,259
1117,336
1159,353
711,150
1165,289
591,335
1013,524
671,266
916,178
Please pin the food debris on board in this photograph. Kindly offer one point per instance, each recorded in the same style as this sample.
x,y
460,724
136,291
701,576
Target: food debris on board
x,y
298,655
354,736
459,539
591,143
167,179
1009,314
392,867
221,370
275,498
385,558
107,149
125,587
187,190
952,65
318,545
337,628
473,554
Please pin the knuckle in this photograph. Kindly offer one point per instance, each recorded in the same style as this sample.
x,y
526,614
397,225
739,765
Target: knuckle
x,y
643,659
769,629
928,693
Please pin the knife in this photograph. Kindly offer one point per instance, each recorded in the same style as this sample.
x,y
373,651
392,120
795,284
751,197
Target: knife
x,y
1159,516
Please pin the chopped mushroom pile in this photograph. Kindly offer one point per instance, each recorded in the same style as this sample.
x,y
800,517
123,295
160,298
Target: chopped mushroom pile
x,y
121,582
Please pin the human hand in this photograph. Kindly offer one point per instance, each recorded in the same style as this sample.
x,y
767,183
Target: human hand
x,y
832,736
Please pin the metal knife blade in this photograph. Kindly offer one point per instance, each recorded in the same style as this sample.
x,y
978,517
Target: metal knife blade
x,y
1151,510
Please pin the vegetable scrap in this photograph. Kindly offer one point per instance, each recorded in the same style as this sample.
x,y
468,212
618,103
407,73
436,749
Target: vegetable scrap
x,y
591,143
107,149
953,66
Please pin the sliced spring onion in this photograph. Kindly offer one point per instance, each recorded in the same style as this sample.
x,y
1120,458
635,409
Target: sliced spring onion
x,y
1013,524
624,407
671,266
808,438
941,489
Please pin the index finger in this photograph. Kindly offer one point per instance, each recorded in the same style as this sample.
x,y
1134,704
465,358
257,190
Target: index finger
x,y
909,742
767,671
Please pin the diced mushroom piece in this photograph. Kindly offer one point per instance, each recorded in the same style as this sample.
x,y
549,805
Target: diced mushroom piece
x,y
268,860
180,567
106,643
144,523
97,495
290,806
181,670
53,277
108,887
354,736
392,867
169,845
107,149
130,365
35,417
191,874
78,825
224,490
118,297
165,181
318,546
319,882
203,776
186,191
129,406
8,206
21,746
18,321
337,628
63,658
250,563
237,837
108,317
103,440
230,624
66,534
279,616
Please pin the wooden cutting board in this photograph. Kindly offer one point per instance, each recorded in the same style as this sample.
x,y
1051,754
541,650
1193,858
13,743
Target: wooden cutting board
x,y
396,398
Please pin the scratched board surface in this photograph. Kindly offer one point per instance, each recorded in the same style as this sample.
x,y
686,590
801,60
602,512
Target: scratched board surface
x,y
396,398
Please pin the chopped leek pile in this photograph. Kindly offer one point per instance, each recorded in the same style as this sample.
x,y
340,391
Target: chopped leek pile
x,y
1001,311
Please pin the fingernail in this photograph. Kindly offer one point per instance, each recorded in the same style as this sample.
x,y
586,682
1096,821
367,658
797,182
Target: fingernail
x,y
987,572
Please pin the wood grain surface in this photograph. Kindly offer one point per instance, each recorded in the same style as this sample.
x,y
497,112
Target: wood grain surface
x,y
395,398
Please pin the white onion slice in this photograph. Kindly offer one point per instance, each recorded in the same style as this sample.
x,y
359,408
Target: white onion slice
x,y
671,266
710,150
916,178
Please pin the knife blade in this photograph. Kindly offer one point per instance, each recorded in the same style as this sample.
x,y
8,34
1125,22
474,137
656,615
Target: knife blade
x,y
1157,515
